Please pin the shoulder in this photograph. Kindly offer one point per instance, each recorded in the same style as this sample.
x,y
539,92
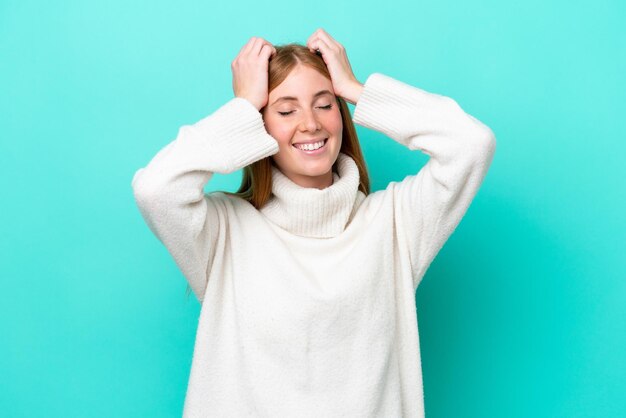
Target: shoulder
x,y
375,200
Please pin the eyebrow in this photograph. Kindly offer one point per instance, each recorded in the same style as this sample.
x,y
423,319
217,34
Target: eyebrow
x,y
319,93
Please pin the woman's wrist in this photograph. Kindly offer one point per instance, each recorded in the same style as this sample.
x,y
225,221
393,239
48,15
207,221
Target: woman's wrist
x,y
251,101
353,92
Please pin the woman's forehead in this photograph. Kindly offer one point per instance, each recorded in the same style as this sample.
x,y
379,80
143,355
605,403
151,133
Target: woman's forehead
x,y
302,82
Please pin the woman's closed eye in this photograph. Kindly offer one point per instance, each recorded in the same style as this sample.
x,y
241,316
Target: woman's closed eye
x,y
327,107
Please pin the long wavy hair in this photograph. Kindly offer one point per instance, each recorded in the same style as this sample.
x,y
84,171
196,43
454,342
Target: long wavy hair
x,y
256,182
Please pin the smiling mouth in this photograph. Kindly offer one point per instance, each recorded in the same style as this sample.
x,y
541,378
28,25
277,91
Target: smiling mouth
x,y
311,149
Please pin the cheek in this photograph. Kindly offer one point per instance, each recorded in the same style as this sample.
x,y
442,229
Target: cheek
x,y
334,123
281,131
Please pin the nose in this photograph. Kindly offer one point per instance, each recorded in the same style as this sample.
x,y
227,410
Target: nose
x,y
309,121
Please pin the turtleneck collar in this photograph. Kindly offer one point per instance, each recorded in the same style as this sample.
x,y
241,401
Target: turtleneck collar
x,y
311,212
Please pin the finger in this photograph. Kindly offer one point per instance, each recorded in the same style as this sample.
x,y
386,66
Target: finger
x,y
321,45
321,33
256,47
324,47
314,36
266,51
329,39
265,44
311,43
243,49
248,46
327,35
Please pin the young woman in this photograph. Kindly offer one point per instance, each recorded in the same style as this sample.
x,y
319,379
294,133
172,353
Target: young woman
x,y
307,280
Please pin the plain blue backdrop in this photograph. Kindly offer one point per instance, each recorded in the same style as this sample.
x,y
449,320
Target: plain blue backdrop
x,y
522,313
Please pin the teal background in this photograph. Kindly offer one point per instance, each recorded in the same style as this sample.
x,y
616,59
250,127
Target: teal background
x,y
522,313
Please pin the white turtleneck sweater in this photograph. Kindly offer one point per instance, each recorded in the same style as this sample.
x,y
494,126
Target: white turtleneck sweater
x,y
308,305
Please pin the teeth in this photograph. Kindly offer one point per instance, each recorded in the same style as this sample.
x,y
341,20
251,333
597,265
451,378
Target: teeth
x,y
310,147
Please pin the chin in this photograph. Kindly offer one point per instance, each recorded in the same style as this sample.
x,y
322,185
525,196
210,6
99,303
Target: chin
x,y
319,166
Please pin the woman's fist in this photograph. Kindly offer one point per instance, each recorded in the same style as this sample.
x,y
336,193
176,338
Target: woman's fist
x,y
250,76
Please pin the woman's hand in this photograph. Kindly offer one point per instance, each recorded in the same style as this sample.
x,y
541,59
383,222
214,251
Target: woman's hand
x,y
344,82
250,76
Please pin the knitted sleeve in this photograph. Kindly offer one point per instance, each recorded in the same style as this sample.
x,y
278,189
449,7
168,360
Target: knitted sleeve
x,y
429,205
169,191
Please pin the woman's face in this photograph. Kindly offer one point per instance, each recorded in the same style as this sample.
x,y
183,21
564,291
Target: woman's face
x,y
303,110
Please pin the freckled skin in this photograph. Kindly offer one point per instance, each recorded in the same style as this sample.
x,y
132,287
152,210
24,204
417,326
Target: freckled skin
x,y
308,120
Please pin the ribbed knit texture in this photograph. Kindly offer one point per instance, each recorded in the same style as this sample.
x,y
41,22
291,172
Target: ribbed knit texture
x,y
311,212
308,305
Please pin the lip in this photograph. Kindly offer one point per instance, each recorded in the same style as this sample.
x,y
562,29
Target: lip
x,y
320,150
